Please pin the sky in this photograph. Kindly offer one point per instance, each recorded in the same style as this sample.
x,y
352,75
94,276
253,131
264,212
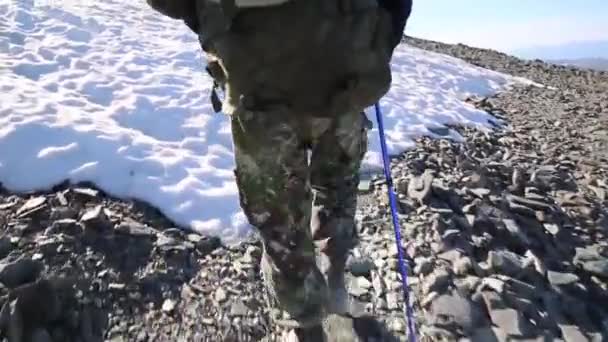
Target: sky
x,y
509,25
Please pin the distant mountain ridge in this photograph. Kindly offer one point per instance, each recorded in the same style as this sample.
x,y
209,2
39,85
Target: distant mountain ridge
x,y
568,51
590,63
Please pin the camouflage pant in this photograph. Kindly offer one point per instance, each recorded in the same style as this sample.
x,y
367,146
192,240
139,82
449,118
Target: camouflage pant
x,y
296,202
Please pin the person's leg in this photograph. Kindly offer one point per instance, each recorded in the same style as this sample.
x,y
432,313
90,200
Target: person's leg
x,y
336,159
272,174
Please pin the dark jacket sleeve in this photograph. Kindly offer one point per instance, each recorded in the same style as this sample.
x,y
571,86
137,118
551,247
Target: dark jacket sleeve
x,y
177,9
400,11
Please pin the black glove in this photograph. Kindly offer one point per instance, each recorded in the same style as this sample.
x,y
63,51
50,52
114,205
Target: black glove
x,y
400,11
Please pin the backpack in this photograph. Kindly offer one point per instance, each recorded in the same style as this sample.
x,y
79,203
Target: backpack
x,y
312,57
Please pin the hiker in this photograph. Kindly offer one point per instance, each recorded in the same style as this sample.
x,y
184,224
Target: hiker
x,y
297,75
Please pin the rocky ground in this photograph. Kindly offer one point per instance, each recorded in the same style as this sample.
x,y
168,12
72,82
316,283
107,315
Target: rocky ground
x,y
505,233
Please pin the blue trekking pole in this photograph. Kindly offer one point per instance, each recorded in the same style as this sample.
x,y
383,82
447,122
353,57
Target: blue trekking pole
x,y
409,313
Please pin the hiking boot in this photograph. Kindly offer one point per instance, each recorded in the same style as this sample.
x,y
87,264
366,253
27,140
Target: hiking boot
x,y
311,334
303,302
335,274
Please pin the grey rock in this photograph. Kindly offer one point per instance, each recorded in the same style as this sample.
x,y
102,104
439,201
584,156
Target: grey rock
x,y
587,254
65,226
359,286
392,301
552,228
463,266
252,254
436,281
95,218
495,284
134,228
533,204
480,192
597,267
238,308
428,299
419,188
506,262
378,284
86,192
169,305
381,304
516,231
31,206
341,329
522,209
455,311
572,333
558,278
451,256
220,295
423,266
13,274
62,213
507,319
208,245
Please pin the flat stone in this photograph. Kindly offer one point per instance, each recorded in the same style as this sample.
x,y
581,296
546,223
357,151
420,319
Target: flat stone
x,y
597,267
454,310
451,255
436,281
506,262
423,266
533,204
95,218
419,188
31,205
238,308
558,278
6,206
462,266
507,319
467,284
87,192
587,254
516,231
572,333
480,192
65,226
65,212
494,284
134,228
359,286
